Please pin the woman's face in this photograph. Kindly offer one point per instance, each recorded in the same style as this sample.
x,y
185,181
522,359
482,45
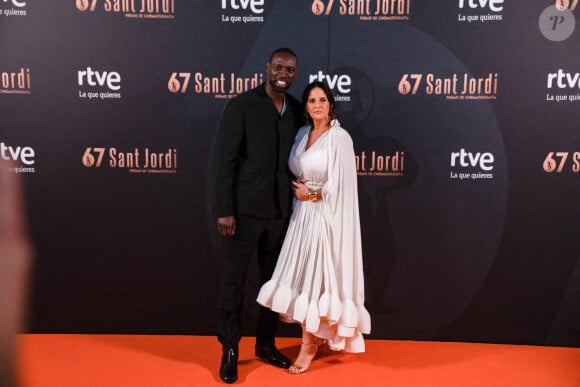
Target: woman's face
x,y
317,105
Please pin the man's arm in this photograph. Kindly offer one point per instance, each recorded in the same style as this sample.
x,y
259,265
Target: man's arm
x,y
226,151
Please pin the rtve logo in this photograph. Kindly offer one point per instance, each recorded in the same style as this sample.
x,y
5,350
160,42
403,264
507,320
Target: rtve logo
x,y
24,154
493,5
92,77
16,3
342,82
467,159
257,6
563,80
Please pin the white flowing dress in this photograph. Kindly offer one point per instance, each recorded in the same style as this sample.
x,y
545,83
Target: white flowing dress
x,y
318,280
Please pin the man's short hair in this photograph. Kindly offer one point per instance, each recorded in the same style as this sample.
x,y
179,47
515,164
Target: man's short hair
x,y
282,50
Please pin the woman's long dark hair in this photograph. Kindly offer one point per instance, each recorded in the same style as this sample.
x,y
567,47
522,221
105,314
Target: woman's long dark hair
x,y
329,96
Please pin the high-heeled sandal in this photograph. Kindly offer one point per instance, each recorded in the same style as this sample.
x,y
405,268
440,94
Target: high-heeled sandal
x,y
298,369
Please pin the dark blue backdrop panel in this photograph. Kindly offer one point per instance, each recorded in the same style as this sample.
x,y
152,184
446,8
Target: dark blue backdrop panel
x,y
464,121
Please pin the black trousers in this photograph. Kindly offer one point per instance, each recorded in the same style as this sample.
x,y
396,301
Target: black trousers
x,y
252,235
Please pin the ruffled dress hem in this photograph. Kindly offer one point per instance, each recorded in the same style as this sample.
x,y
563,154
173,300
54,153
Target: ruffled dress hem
x,y
341,323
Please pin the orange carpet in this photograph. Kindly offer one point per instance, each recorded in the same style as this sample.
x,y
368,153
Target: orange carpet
x,y
175,361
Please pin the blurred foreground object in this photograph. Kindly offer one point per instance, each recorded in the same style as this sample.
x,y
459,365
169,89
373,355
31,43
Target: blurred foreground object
x,y
15,257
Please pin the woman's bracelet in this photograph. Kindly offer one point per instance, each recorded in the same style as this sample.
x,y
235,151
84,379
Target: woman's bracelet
x,y
312,195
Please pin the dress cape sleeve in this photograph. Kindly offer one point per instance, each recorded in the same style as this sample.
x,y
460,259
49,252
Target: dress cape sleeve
x,y
340,196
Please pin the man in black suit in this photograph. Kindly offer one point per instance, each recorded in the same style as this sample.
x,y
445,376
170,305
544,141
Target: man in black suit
x,y
253,200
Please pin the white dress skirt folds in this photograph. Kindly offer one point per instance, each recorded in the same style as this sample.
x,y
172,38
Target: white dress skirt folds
x,y
318,280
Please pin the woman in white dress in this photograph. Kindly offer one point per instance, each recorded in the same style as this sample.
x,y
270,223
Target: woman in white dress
x,y
318,281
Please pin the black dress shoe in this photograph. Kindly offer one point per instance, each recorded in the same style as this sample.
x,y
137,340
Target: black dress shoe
x,y
229,366
273,356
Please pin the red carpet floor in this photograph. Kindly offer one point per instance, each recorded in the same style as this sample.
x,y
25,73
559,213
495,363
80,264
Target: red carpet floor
x,y
175,361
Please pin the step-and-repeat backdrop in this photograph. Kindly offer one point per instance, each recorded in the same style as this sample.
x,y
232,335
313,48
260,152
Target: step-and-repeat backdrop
x,y
464,115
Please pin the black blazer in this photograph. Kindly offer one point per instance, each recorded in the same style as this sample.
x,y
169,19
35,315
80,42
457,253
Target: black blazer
x,y
253,142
